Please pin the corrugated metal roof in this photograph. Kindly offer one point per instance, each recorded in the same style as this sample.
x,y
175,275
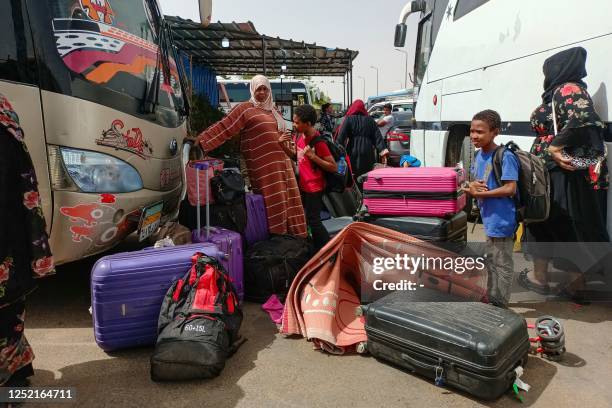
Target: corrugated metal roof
x,y
249,50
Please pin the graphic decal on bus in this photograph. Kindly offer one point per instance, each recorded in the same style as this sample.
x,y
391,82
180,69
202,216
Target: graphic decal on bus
x,y
108,198
100,51
97,220
132,140
98,10
87,213
80,232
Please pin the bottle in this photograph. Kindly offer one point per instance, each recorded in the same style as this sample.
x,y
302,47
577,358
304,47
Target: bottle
x,y
342,166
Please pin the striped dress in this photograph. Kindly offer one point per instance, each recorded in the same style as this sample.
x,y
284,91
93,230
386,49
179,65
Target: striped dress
x,y
270,170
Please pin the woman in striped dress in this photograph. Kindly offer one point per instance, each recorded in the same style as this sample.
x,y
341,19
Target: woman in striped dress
x,y
270,170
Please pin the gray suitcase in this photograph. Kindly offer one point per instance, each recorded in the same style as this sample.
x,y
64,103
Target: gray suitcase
x,y
474,347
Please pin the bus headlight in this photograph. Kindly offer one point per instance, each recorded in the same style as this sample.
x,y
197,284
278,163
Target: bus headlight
x,y
95,172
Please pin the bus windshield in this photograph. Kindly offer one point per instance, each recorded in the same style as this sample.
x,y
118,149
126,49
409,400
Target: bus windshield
x,y
237,91
296,91
115,45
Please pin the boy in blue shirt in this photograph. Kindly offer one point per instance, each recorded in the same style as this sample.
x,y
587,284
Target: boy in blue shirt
x,y
497,205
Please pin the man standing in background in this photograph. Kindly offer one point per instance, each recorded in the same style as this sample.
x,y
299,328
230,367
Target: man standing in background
x,y
387,121
326,121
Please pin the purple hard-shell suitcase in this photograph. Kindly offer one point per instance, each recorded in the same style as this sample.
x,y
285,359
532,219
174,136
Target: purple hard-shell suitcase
x,y
230,243
127,290
257,219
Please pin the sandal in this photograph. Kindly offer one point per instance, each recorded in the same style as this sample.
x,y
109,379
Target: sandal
x,y
524,281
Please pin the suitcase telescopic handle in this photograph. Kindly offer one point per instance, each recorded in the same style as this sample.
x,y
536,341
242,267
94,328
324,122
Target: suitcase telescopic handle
x,y
413,361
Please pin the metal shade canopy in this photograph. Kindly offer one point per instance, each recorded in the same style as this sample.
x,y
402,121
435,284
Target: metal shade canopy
x,y
250,52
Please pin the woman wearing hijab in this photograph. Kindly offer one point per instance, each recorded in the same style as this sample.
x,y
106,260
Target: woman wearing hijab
x,y
360,134
24,247
270,170
577,208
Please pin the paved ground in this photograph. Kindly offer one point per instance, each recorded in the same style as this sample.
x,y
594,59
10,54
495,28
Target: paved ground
x,y
272,371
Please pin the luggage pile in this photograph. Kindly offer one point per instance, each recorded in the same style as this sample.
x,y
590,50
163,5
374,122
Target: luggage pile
x,y
186,299
424,202
188,288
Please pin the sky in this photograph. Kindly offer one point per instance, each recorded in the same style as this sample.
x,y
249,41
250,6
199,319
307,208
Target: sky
x,y
363,25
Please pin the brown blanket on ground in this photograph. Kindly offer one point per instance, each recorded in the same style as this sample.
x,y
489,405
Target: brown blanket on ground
x,y
323,298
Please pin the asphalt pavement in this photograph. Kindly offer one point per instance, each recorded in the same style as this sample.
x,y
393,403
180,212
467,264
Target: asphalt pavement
x,y
270,370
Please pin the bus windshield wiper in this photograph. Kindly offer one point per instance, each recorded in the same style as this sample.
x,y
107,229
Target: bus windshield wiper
x,y
151,98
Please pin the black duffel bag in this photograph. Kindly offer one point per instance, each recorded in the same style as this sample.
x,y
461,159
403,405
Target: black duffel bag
x,y
270,266
227,186
229,216
198,324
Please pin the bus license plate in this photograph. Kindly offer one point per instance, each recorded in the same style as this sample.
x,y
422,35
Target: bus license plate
x,y
151,218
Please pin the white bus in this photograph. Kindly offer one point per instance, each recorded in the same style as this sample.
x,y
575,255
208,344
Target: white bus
x,y
287,95
472,55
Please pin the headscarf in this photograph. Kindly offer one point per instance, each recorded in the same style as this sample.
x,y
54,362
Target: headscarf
x,y
565,66
268,104
357,108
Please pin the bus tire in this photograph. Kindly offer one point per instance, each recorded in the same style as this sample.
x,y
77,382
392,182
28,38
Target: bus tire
x,y
460,151
467,159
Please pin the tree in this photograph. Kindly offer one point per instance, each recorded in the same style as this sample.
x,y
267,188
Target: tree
x,y
317,102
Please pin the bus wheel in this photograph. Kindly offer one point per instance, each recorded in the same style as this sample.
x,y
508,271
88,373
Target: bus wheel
x,y
467,159
460,151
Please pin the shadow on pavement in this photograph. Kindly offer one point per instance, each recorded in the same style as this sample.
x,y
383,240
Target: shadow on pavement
x,y
539,373
593,313
63,300
124,380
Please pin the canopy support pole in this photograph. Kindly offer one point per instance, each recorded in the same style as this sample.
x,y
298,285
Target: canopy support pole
x,y
263,55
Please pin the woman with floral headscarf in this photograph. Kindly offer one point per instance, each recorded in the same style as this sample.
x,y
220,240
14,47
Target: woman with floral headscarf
x,y
24,247
577,213
270,170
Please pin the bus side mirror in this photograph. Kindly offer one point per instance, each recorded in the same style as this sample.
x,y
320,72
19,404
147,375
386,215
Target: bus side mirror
x,y
400,30
400,35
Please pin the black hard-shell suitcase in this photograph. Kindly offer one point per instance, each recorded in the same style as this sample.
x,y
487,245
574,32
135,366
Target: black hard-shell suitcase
x,y
427,228
335,225
474,347
344,204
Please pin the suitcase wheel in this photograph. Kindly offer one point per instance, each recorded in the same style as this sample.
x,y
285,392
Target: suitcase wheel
x,y
359,311
362,347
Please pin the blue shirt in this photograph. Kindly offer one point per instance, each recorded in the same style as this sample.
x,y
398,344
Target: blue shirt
x,y
498,213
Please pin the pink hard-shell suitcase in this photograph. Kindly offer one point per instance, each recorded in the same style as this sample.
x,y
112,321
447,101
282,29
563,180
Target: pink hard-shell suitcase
x,y
419,191
198,174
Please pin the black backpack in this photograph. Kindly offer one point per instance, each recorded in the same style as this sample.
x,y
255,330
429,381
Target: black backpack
x,y
198,324
227,186
533,199
270,266
335,182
